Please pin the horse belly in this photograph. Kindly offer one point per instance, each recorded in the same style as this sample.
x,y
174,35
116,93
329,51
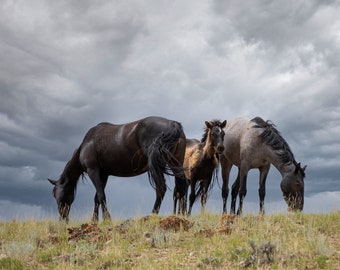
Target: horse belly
x,y
125,166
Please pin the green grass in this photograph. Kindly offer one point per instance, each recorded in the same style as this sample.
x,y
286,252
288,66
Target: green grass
x,y
278,241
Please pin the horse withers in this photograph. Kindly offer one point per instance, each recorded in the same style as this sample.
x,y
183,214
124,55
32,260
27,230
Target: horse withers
x,y
257,143
155,145
201,161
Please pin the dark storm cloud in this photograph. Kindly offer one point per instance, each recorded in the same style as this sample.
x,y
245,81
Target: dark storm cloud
x,y
68,65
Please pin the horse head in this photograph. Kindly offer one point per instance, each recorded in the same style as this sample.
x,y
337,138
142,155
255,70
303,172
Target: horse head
x,y
64,196
292,186
216,133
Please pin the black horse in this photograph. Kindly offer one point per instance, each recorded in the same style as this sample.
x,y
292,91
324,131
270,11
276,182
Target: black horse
x,y
155,145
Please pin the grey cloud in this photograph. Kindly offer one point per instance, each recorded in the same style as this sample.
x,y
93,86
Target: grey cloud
x,y
68,65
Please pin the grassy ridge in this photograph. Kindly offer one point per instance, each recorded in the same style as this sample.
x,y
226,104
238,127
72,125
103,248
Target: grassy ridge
x,y
278,241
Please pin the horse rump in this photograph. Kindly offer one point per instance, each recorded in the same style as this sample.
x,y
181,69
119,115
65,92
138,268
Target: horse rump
x,y
161,157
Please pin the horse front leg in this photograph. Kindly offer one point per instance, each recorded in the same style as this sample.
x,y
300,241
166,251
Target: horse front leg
x,y
105,211
100,198
242,192
192,196
262,186
95,216
180,195
205,187
175,198
225,168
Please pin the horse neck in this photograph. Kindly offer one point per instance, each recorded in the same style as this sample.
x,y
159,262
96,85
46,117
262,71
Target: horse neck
x,y
71,173
208,150
283,168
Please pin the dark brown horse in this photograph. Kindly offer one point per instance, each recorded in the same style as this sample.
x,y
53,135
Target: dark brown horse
x,y
155,145
201,161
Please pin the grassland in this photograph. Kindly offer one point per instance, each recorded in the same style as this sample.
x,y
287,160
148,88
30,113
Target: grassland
x,y
278,241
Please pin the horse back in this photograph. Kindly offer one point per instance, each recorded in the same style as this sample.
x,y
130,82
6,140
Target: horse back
x,y
242,143
122,150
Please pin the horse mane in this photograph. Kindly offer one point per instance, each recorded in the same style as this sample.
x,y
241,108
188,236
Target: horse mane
x,y
214,123
272,137
71,173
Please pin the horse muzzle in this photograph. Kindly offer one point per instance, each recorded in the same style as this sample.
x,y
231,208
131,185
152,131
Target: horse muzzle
x,y
295,203
64,211
220,149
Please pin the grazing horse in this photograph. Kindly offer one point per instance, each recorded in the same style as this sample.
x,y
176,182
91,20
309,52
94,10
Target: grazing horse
x,y
257,143
201,161
155,145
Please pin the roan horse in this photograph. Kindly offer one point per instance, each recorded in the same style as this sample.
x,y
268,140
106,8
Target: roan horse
x,y
201,161
257,143
155,145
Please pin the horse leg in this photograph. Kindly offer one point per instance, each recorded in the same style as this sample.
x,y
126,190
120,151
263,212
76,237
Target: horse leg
x,y
180,194
225,168
105,211
159,198
160,192
192,196
262,186
95,216
205,186
242,192
234,191
100,198
181,182
175,199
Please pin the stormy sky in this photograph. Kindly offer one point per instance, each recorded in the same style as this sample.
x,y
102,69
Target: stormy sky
x,y
67,65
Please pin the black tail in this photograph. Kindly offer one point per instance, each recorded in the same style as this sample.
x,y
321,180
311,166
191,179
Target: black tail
x,y
161,160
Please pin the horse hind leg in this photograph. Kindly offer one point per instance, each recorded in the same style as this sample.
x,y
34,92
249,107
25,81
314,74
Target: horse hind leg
x,y
234,192
160,192
242,192
160,188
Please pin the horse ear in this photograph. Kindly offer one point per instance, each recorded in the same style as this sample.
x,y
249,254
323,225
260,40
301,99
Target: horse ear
x,y
224,123
297,167
208,124
304,168
53,182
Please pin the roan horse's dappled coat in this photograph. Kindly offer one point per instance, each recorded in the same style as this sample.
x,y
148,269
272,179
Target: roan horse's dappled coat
x,y
201,161
155,145
257,144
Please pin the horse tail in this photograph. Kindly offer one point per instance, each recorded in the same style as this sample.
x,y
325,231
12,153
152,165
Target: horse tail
x,y
161,160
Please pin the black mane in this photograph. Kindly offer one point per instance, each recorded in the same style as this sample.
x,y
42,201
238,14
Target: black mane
x,y
272,137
